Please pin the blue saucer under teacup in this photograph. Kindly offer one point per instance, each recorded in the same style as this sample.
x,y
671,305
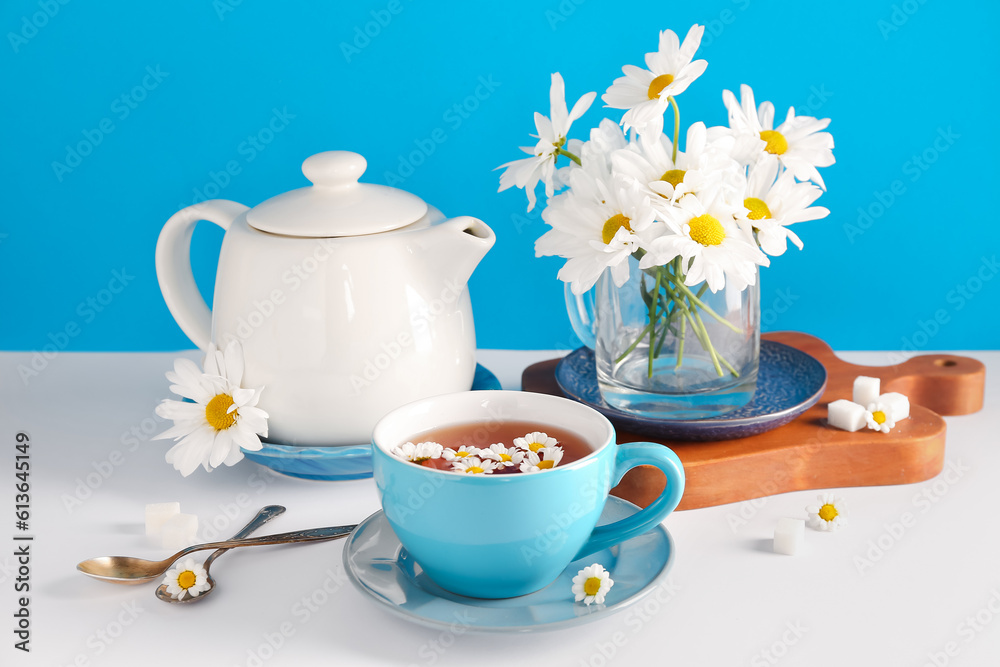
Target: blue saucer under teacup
x,y
381,569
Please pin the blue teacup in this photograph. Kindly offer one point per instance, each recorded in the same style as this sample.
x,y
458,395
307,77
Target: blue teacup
x,y
500,536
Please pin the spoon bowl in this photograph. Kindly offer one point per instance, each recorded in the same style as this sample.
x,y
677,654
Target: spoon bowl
x,y
262,517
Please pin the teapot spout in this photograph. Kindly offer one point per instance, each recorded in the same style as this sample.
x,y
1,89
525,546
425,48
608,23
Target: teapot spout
x,y
461,244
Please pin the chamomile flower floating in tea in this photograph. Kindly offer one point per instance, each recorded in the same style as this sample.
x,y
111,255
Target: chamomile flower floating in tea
x,y
544,459
534,441
186,579
552,131
220,416
591,584
879,418
536,451
503,456
462,452
473,465
829,515
419,452
646,93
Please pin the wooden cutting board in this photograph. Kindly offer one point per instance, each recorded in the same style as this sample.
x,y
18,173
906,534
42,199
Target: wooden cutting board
x,y
806,453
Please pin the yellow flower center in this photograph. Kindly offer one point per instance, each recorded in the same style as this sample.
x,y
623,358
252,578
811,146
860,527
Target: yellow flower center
x,y
474,470
757,207
592,585
217,412
828,512
673,176
186,579
461,455
707,230
879,417
505,457
611,227
657,85
776,142
546,464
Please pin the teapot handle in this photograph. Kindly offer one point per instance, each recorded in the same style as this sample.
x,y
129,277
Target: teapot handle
x,y
173,265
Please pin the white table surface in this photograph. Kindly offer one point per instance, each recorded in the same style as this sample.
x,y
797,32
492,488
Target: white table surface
x,y
930,589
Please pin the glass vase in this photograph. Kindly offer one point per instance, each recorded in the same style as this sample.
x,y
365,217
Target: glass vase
x,y
668,350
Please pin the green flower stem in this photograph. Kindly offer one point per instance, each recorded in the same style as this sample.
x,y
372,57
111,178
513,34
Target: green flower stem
x,y
653,303
695,301
635,343
571,156
680,344
677,126
715,355
705,342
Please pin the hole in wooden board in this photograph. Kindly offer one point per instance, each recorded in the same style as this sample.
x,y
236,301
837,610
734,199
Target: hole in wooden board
x,y
945,362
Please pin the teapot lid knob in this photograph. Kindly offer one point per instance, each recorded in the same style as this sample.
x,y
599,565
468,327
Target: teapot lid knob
x,y
334,169
336,204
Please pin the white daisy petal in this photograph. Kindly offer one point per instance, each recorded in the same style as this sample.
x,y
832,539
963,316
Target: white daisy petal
x,y
222,419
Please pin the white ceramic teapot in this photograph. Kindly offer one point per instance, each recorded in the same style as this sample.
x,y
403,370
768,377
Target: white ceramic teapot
x,y
349,298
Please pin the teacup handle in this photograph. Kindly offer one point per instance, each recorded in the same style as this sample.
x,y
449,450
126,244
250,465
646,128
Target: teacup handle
x,y
629,456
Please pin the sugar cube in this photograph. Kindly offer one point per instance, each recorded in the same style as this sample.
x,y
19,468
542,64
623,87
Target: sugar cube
x,y
846,415
179,531
866,390
898,405
157,515
789,535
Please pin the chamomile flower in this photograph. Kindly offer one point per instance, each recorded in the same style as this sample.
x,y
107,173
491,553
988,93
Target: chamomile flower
x,y
879,418
457,454
591,584
798,143
221,416
702,164
473,465
503,456
534,441
418,452
712,237
552,131
830,514
596,225
544,459
646,93
186,579
596,153
775,203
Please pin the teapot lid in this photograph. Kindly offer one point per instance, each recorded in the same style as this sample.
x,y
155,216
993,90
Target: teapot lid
x,y
336,204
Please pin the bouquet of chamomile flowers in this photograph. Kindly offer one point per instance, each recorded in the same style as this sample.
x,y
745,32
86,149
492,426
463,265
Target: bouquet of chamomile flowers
x,y
699,219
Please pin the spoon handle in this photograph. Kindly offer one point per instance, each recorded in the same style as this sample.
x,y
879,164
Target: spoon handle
x,y
263,516
311,535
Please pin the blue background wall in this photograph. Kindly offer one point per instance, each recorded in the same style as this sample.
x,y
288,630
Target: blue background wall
x,y
910,88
